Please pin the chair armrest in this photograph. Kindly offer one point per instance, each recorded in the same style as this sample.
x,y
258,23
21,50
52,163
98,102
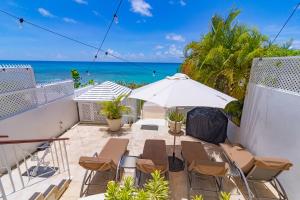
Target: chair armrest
x,y
272,163
208,167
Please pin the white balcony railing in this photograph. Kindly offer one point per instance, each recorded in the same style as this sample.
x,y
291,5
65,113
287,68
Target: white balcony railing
x,y
15,102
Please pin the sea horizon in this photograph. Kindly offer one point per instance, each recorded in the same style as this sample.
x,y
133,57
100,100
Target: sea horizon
x,y
129,72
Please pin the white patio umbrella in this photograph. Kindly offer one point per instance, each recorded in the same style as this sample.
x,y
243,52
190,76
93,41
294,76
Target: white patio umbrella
x,y
181,91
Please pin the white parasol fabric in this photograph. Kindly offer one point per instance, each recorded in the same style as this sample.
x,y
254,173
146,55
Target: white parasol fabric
x,y
181,91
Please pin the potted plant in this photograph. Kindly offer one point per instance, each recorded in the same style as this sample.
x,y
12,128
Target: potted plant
x,y
175,119
113,111
234,110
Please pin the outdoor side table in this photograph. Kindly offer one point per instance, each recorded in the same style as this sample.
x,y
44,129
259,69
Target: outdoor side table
x,y
127,162
175,164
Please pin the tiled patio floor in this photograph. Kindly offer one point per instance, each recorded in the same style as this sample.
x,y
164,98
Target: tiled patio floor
x,y
88,139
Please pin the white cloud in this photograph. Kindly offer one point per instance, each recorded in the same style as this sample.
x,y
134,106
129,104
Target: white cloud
x,y
175,37
81,2
174,51
69,20
45,12
159,47
96,13
182,2
140,21
60,56
141,7
113,52
296,44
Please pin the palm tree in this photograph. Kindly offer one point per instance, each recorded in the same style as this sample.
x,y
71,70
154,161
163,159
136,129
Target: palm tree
x,y
223,57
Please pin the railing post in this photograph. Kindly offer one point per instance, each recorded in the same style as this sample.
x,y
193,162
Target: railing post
x,y
55,149
61,155
26,167
66,154
51,151
8,168
2,190
18,166
45,95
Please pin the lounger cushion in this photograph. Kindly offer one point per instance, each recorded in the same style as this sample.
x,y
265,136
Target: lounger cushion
x,y
193,151
114,149
198,160
243,158
210,168
155,151
108,158
148,166
272,163
95,163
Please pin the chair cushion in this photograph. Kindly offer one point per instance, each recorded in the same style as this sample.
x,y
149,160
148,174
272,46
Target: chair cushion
x,y
114,149
147,166
243,158
95,163
210,168
272,163
193,151
156,151
108,158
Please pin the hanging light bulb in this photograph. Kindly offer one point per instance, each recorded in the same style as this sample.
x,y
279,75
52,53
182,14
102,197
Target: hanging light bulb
x,y
116,19
21,20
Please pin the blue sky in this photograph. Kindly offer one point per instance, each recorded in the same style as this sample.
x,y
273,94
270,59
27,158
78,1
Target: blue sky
x,y
147,30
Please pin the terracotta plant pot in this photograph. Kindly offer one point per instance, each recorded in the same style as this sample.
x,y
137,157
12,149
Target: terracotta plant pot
x,y
114,124
172,127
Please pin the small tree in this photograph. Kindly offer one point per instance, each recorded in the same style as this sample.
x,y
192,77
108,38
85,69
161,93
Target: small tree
x,y
114,109
156,188
76,78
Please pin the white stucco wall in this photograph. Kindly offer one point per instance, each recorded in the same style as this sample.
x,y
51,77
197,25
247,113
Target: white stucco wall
x,y
270,126
41,122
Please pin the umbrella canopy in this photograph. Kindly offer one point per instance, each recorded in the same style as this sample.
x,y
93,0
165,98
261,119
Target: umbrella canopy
x,y
181,91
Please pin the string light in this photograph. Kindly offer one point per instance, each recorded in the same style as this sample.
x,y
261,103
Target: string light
x,y
116,19
22,21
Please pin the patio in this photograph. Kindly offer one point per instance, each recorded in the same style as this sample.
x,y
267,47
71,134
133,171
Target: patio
x,y
88,139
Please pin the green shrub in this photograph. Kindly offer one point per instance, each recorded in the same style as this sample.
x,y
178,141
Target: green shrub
x,y
234,109
198,197
114,109
225,196
156,188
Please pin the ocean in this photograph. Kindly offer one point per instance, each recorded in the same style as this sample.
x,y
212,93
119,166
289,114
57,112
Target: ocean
x,y
50,71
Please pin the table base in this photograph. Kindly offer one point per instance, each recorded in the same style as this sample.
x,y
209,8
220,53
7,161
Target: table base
x,y
175,164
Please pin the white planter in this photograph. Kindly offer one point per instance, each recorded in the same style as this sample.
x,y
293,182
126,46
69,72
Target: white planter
x,y
175,128
114,124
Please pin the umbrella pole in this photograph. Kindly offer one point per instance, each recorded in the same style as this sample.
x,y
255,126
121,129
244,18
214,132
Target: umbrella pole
x,y
174,143
175,164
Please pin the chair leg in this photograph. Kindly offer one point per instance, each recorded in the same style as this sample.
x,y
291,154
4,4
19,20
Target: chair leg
x,y
279,188
189,185
87,176
219,183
